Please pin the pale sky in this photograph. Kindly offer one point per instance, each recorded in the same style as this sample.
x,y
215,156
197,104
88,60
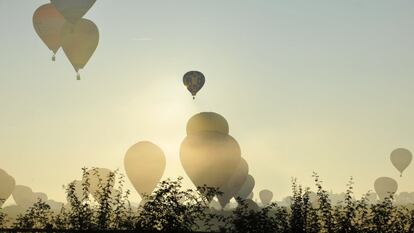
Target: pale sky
x,y
323,86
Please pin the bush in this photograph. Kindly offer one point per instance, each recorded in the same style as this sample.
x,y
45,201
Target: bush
x,y
172,209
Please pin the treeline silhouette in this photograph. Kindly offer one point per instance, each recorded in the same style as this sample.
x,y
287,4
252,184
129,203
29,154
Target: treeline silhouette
x,y
173,209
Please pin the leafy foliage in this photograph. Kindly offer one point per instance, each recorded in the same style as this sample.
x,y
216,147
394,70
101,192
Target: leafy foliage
x,y
171,209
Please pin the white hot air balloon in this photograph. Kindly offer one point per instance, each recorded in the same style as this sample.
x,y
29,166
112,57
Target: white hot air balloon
x,y
207,121
144,164
210,158
266,196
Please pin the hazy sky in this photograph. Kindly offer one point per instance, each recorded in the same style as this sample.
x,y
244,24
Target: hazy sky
x,y
323,86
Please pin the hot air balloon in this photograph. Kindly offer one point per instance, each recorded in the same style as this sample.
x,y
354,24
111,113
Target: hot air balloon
x,y
385,187
266,196
99,177
210,158
401,159
48,23
79,42
234,184
194,81
73,10
207,121
23,196
7,185
144,164
247,188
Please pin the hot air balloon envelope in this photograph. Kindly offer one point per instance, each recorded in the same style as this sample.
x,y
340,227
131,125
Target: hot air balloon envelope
x,y
79,42
207,121
266,196
234,184
48,24
401,159
194,81
144,164
73,10
247,188
385,187
210,158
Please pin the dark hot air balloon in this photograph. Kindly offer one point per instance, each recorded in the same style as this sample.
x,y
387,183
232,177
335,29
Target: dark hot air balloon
x,y
194,81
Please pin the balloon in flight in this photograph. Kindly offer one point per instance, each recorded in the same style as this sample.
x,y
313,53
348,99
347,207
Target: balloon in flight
x,y
247,188
401,159
144,164
210,158
207,121
266,196
7,185
234,184
194,81
79,42
385,187
73,10
48,23
23,196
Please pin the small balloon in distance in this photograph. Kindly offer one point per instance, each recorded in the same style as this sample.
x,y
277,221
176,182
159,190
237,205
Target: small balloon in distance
x,y
194,81
401,159
266,196
385,187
